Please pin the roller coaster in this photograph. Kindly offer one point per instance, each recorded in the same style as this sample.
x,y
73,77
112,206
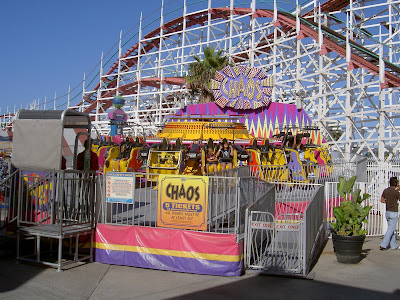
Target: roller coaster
x,y
338,60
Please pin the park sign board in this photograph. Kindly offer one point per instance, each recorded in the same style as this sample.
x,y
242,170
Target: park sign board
x,y
120,187
242,87
182,201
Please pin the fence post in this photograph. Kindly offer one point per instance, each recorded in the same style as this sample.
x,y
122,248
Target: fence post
x,y
326,204
237,209
303,235
246,238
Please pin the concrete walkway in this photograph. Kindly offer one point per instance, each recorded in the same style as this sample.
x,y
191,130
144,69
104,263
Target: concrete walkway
x,y
377,276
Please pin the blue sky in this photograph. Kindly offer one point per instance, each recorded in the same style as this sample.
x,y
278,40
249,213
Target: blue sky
x,y
47,45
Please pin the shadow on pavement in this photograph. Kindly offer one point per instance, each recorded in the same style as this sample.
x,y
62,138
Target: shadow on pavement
x,y
271,287
364,253
13,274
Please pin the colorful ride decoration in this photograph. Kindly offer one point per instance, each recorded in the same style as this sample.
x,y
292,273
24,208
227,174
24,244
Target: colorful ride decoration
x,y
115,152
262,122
181,147
169,249
242,88
204,130
122,157
242,114
117,116
281,162
243,95
164,157
41,193
39,190
246,91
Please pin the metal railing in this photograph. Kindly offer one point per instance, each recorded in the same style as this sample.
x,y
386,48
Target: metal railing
x,y
55,205
258,242
223,204
293,198
143,210
230,192
8,207
314,231
282,223
100,195
380,172
251,189
64,198
256,194
304,174
285,235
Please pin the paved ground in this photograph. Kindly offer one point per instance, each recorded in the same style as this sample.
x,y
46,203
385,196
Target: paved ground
x,y
377,276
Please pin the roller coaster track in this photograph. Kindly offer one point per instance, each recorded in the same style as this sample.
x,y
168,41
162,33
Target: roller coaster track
x,y
132,87
332,41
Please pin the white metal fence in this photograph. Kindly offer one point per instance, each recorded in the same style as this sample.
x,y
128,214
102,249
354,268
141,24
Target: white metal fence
x,y
380,172
376,225
285,235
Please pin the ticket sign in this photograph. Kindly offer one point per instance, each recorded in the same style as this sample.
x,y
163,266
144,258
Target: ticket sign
x,y
120,187
182,201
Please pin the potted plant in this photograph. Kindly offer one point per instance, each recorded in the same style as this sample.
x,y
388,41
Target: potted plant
x,y
348,234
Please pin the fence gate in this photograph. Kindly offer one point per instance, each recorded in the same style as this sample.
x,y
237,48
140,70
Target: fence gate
x,y
274,244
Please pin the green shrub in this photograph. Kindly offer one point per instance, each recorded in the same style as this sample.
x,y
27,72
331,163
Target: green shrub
x,y
351,214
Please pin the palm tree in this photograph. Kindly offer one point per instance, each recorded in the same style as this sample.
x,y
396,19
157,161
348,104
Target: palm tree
x,y
200,72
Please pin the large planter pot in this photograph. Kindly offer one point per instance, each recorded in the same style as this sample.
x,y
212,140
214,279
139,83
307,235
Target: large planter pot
x,y
348,248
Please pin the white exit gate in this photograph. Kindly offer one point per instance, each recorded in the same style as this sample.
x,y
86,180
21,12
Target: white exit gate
x,y
287,238
273,245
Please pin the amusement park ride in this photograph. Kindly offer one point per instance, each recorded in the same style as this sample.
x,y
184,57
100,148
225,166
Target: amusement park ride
x,y
188,142
337,61
301,80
